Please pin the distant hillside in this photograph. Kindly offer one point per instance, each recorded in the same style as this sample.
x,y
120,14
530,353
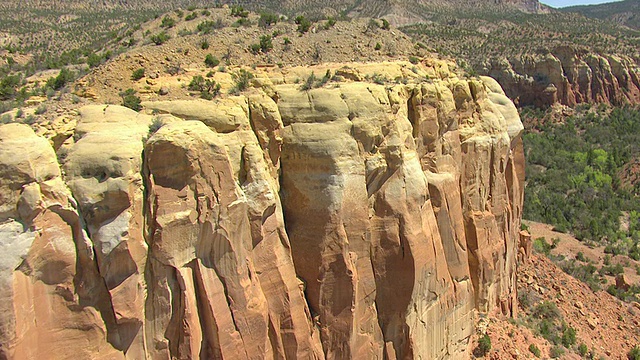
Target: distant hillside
x,y
398,12
623,12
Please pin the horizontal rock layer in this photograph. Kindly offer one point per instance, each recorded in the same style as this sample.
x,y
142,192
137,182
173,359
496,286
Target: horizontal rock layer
x,y
351,221
568,76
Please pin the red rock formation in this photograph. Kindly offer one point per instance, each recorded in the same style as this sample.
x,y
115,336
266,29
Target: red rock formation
x,y
568,76
346,222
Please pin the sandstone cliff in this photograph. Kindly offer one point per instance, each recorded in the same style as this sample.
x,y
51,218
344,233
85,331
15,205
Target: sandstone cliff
x,y
351,221
568,76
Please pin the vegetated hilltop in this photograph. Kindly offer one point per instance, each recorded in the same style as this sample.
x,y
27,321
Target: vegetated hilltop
x,y
209,44
625,12
169,50
398,12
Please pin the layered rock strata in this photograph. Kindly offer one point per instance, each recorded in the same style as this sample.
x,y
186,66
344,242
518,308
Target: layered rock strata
x,y
351,221
568,76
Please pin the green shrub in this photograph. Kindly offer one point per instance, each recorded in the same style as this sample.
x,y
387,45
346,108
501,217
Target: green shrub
x,y
211,61
8,85
41,109
379,79
612,270
65,76
29,120
239,11
268,19
331,22
378,46
546,310
583,350
191,16
303,24
5,119
534,350
130,99
208,88
414,59
541,246
484,345
385,24
137,74
634,354
160,38
308,84
265,43
204,45
206,27
568,336
242,22
168,22
254,48
242,79
556,351
94,60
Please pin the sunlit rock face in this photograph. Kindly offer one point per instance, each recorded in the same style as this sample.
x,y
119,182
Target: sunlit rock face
x,y
356,220
568,76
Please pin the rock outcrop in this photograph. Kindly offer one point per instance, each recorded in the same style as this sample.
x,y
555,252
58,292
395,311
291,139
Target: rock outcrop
x,y
568,76
351,221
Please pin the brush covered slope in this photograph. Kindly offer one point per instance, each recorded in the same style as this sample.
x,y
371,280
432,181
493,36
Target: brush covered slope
x,y
625,12
345,220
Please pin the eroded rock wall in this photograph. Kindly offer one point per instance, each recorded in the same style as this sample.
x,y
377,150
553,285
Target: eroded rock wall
x,y
351,221
568,76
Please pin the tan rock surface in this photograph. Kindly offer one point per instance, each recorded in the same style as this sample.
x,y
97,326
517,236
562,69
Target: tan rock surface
x,y
355,220
568,76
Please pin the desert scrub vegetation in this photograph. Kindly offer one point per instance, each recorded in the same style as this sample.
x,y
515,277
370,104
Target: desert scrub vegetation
x,y
160,38
579,177
303,23
484,346
130,100
137,74
458,32
242,79
534,350
211,61
313,82
208,26
207,88
168,22
267,19
265,45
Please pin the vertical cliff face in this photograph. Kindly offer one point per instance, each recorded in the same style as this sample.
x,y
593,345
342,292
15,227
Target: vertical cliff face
x,y
568,76
354,220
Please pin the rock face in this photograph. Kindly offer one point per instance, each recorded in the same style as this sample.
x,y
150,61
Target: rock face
x,y
351,221
568,76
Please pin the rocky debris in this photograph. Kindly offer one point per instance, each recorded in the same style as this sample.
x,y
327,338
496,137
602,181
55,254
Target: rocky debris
x,y
568,76
602,322
353,220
